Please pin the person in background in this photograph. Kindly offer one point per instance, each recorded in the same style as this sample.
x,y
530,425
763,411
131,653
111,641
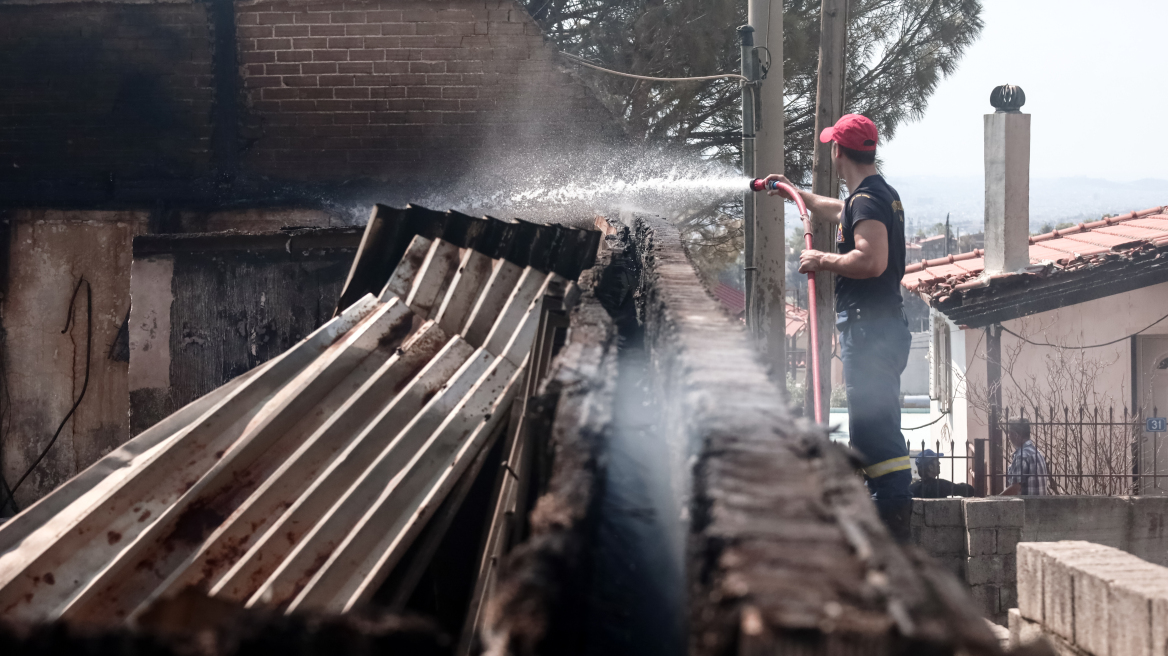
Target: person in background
x,y
1028,474
931,486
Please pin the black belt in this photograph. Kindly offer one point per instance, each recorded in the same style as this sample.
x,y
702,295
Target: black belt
x,y
855,315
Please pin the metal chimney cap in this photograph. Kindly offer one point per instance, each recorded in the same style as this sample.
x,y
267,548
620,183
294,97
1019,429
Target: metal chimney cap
x,y
1008,98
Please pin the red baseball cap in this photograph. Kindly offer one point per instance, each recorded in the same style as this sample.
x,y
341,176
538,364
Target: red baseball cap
x,y
851,131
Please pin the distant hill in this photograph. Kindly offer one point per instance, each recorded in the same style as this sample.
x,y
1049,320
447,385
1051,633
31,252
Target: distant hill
x,y
1052,200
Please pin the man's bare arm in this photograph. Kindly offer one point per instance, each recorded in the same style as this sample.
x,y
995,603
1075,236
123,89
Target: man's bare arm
x,y
823,209
867,260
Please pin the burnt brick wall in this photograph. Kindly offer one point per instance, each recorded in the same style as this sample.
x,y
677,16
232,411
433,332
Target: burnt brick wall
x,y
92,89
404,88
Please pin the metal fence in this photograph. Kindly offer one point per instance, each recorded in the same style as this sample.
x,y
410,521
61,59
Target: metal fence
x,y
1088,451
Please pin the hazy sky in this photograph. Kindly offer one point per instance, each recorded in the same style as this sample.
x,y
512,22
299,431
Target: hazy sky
x,y
1096,81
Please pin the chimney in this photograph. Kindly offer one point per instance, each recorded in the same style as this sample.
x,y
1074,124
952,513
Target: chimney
x,y
1007,182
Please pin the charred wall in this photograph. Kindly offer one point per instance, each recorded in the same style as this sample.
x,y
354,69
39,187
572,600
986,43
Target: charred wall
x,y
207,308
94,93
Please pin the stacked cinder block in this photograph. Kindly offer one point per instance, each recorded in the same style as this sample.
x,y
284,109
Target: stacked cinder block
x,y
938,527
993,528
1090,599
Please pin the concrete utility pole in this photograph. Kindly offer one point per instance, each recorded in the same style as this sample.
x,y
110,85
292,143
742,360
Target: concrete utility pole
x,y
767,310
829,107
1007,235
749,124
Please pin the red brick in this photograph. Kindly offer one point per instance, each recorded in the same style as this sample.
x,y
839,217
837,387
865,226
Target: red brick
x,y
254,69
291,30
330,55
391,67
406,104
448,41
444,79
424,92
417,41
427,118
258,81
481,105
436,54
276,19
300,81
384,41
387,92
384,16
314,93
460,15
319,68
352,118
333,105
409,80
363,30
370,106
498,15
310,43
464,67
353,42
294,56
328,30
347,17
336,80
460,92
257,57
273,44
334,131
279,93
481,41
419,15
445,29
350,68
351,93
439,105
366,55
249,18
427,67
313,18
265,106
505,28
298,106
482,28
254,31
399,28
282,69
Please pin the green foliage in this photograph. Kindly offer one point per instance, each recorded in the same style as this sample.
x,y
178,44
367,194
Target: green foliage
x,y
839,397
898,50
796,390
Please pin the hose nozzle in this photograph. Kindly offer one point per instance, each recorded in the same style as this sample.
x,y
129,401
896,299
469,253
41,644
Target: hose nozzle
x,y
761,184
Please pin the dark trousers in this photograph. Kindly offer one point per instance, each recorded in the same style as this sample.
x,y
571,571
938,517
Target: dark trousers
x,y
875,352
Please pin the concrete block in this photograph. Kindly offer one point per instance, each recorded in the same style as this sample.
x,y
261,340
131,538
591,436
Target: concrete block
x,y
1029,578
1099,520
986,599
1008,596
954,563
995,569
1130,615
1022,631
944,512
981,541
1148,537
1007,540
1091,580
942,540
994,513
1159,626
918,513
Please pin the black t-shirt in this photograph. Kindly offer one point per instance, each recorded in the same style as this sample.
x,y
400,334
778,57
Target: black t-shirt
x,y
873,200
939,488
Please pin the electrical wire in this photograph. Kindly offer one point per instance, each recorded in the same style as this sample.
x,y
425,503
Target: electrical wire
x,y
84,385
1083,348
578,60
943,414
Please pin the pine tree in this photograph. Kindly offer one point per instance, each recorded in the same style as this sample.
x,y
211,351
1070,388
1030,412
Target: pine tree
x,y
898,50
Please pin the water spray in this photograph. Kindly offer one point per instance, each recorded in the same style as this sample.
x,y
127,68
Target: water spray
x,y
805,216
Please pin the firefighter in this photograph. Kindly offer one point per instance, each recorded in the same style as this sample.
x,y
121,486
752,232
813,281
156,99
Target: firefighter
x,y
874,337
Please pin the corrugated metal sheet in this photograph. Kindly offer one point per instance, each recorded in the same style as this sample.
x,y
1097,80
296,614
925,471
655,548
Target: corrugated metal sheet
x,y
301,484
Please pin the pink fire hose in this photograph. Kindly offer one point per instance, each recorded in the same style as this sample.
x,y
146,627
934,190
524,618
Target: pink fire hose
x,y
805,216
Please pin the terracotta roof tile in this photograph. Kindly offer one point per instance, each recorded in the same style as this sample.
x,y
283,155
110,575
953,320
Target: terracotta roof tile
x,y
1075,247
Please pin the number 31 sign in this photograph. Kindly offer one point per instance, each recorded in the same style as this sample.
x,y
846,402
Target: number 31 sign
x,y
1157,425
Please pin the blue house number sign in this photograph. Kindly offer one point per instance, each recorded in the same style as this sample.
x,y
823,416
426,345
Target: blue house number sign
x,y
1157,425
